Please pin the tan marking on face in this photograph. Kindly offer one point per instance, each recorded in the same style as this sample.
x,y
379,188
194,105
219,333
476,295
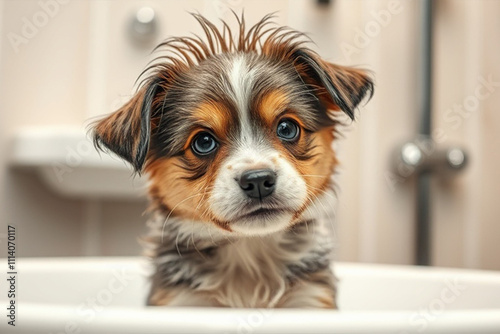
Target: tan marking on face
x,y
186,198
316,171
271,105
190,138
320,168
215,116
169,189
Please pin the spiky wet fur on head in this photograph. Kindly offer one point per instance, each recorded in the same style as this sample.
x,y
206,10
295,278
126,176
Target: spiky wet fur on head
x,y
237,89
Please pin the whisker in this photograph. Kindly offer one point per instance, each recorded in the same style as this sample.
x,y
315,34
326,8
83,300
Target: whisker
x,y
176,243
192,239
202,198
327,212
324,191
210,233
171,211
314,175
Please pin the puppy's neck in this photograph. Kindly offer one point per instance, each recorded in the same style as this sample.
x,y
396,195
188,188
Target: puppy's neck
x,y
186,242
185,237
199,256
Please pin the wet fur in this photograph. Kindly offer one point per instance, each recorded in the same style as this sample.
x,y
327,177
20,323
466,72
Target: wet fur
x,y
238,87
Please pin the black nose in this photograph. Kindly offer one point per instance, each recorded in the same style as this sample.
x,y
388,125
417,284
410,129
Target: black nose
x,y
258,183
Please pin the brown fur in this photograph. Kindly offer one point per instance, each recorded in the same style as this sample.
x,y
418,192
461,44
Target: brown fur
x,y
214,116
154,131
272,105
187,198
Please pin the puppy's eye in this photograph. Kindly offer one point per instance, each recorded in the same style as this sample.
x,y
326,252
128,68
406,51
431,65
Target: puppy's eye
x,y
204,143
287,130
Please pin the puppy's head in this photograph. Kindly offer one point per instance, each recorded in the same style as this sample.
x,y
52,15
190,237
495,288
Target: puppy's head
x,y
236,132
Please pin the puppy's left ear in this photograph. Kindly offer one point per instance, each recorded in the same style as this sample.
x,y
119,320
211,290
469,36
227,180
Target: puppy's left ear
x,y
127,131
338,87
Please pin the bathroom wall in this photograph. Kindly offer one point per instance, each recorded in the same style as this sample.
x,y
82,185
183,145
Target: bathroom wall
x,y
82,63
41,84
466,100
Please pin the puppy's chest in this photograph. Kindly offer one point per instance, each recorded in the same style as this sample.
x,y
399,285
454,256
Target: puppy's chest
x,y
248,274
252,272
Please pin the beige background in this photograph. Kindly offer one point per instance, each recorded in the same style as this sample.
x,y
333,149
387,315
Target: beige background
x,y
82,63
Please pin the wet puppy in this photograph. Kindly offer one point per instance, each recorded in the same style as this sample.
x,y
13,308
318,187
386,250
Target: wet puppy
x,y
235,133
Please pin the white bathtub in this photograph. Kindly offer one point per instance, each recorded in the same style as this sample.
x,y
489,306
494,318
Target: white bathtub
x,y
106,295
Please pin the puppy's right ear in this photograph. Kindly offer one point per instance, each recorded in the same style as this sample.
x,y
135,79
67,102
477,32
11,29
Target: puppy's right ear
x,y
127,131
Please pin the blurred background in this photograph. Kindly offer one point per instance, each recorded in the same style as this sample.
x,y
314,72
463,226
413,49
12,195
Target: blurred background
x,y
405,197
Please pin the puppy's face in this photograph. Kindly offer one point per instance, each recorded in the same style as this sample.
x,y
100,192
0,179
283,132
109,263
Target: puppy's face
x,y
239,140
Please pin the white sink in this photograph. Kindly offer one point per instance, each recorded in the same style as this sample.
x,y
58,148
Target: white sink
x,y
107,295
67,162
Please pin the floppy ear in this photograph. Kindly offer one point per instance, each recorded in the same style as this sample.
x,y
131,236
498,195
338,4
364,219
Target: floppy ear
x,y
338,87
127,131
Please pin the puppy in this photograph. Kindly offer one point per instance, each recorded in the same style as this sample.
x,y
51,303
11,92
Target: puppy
x,y
235,134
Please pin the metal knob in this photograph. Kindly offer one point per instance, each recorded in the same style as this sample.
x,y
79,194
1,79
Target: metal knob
x,y
144,25
423,155
456,158
411,154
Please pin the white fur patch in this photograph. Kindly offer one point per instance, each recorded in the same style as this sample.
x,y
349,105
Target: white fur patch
x,y
253,152
241,81
227,198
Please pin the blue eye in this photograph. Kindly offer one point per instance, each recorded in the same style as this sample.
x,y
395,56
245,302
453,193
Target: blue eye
x,y
204,143
287,130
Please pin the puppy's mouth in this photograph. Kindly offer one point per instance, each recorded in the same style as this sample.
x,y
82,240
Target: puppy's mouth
x,y
264,213
262,220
